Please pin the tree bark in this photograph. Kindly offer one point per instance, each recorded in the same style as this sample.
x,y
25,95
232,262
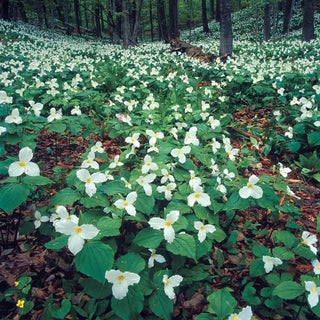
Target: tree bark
x,y
22,11
308,20
117,8
151,19
44,10
275,19
86,15
66,17
5,10
204,16
173,18
162,24
59,11
101,17
211,6
218,15
77,13
97,18
266,21
225,28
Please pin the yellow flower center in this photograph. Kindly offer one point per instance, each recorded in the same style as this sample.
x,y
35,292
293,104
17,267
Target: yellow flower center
x,y
306,241
155,136
148,164
318,267
88,161
142,181
116,163
22,164
68,218
202,228
20,304
314,289
269,260
197,195
88,180
229,153
125,203
236,318
132,140
120,278
168,224
152,255
168,188
14,117
4,98
78,230
179,151
250,186
167,282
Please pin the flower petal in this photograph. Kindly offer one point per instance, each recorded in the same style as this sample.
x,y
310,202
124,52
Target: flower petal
x,y
157,223
89,231
75,243
25,154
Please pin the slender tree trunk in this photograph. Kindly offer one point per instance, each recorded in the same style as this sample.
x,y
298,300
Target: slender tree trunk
x,y
86,15
211,6
275,19
308,20
225,28
125,24
44,10
52,22
173,18
97,18
66,17
22,11
267,22
59,11
117,8
190,19
151,19
162,24
218,14
5,10
101,17
134,34
77,13
204,16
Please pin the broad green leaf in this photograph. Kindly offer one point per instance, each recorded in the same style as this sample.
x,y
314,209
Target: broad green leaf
x,y
257,268
28,306
130,306
144,203
304,251
113,187
183,245
96,289
94,260
236,202
161,305
12,195
222,303
219,235
314,138
131,262
204,316
288,239
97,200
149,238
108,227
282,253
273,278
37,181
288,290
65,197
27,228
57,127
60,313
249,295
58,243
260,251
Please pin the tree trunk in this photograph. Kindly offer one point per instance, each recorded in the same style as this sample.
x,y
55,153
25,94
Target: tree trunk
x,y
59,11
101,17
77,13
52,22
204,16
97,19
275,19
308,20
5,10
117,8
267,22
173,18
239,5
151,19
22,11
190,18
66,17
44,10
225,28
162,24
211,6
134,34
218,9
86,15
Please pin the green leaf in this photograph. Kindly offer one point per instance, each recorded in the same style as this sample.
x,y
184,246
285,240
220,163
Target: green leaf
x,y
236,202
63,311
94,260
108,227
222,303
37,181
113,187
204,316
305,252
288,239
219,235
12,195
282,253
131,262
96,289
260,251
273,278
97,200
144,203
288,290
28,306
249,295
149,238
257,268
183,245
57,127
130,306
314,138
57,243
161,305
64,197
294,146
27,228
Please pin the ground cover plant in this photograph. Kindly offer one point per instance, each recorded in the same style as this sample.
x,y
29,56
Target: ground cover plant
x,y
141,184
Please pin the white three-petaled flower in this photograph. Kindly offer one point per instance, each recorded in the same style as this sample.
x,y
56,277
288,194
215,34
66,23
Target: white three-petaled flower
x,y
148,165
90,180
167,190
180,153
133,140
90,162
203,229
121,281
14,117
128,203
116,162
24,165
39,219
154,136
170,283
309,240
155,257
191,137
166,225
145,181
244,314
313,297
270,262
251,190
199,196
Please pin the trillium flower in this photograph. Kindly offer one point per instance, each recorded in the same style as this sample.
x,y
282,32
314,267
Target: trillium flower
x,y
170,283
215,145
313,297
214,123
115,163
166,225
154,136
231,152
78,234
121,281
62,214
54,115
203,229
244,314
128,203
39,219
126,183
167,190
24,165
270,262
148,165
155,257
291,193
251,190
316,266
309,240
228,175
14,117
36,107
221,187
133,140
145,181
194,181
4,98
166,176
191,137
199,196
180,153
97,147
2,130
90,180
89,162
289,133
283,170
